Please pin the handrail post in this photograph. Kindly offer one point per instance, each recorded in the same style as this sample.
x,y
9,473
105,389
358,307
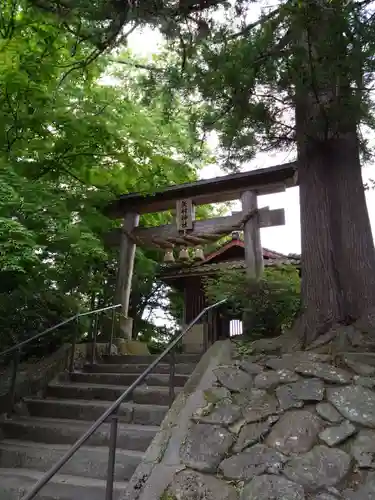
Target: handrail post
x,y
111,457
12,392
73,348
112,333
172,371
93,341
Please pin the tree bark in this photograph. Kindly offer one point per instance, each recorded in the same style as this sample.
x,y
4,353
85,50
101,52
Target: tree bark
x,y
338,256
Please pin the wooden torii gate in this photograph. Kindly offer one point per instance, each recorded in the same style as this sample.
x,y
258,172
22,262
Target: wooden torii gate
x,y
187,231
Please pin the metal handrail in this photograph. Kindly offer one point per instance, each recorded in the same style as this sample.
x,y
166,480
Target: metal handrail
x,y
55,327
17,349
110,411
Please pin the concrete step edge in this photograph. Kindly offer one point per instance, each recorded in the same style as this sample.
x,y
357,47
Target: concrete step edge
x,y
82,385
163,378
54,422
129,374
15,444
148,359
34,475
140,366
93,402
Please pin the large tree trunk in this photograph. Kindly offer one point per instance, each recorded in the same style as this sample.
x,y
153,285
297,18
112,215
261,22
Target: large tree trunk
x,y
351,230
338,257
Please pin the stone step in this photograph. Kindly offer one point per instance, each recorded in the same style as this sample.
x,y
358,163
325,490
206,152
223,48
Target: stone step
x,y
62,431
154,379
142,394
92,410
147,359
181,368
88,461
15,483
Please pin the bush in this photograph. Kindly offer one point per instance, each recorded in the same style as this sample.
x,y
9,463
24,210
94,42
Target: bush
x,y
267,306
24,313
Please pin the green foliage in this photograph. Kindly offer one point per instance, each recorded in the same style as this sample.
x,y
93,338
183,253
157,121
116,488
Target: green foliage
x,y
69,142
245,73
267,307
300,77
243,348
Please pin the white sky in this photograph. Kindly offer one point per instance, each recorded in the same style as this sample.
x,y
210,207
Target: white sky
x,y
284,239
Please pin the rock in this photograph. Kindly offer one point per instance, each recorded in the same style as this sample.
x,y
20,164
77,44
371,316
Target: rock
x,y
290,361
366,323
287,376
216,394
327,372
366,358
329,413
359,368
237,426
286,399
266,380
324,496
252,462
368,382
250,358
270,487
363,449
285,362
332,490
233,378
243,398
337,434
205,446
256,405
364,492
308,390
250,367
224,413
319,468
354,402
251,433
295,432
267,345
202,412
324,339
355,337
191,485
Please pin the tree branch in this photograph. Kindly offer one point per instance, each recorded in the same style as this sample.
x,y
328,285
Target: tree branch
x,y
138,65
253,25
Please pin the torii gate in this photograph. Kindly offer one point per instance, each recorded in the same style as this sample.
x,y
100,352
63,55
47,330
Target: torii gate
x,y
187,231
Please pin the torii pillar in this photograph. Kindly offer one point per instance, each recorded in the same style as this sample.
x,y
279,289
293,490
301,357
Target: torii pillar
x,y
125,273
251,231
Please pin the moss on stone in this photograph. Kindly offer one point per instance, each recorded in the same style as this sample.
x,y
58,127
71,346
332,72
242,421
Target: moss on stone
x,y
167,495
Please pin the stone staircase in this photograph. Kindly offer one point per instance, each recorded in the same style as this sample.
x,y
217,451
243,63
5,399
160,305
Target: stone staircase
x,y
32,444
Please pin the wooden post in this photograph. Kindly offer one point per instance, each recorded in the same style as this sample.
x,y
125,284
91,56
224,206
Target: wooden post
x,y
253,247
125,273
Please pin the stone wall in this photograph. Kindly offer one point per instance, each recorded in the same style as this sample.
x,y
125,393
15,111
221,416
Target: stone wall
x,y
32,377
290,427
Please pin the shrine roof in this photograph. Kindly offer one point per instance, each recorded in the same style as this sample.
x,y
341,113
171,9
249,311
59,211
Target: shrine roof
x,y
225,258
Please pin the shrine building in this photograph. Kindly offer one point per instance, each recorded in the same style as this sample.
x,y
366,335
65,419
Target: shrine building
x,y
189,277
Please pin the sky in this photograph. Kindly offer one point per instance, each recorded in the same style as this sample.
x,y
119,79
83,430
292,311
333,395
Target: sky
x,y
285,239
